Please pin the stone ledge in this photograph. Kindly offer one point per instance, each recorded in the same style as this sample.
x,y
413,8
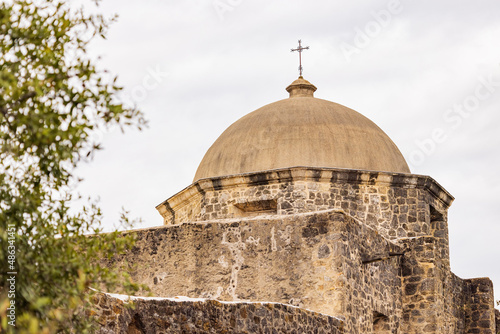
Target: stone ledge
x,y
497,320
208,316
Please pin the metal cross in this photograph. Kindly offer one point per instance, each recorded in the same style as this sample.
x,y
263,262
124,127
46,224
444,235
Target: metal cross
x,y
300,49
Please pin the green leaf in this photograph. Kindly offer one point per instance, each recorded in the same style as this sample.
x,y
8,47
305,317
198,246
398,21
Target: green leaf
x,y
48,86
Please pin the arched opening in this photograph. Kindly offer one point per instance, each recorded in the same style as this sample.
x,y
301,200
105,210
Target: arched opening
x,y
381,323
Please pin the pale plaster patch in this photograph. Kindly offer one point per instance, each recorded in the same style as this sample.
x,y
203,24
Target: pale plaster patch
x,y
274,248
236,249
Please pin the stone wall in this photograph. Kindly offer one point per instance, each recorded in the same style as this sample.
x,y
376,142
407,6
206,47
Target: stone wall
x,y
396,205
454,303
480,312
326,262
437,301
372,281
497,321
163,316
429,290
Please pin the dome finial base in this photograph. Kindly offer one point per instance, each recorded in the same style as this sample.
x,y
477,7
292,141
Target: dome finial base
x,y
301,88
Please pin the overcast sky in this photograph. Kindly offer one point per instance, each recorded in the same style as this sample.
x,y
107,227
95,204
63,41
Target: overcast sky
x,y
426,72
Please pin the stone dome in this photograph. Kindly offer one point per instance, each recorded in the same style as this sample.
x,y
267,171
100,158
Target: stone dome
x,y
301,131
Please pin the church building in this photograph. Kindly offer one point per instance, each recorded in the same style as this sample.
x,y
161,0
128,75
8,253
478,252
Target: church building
x,y
303,217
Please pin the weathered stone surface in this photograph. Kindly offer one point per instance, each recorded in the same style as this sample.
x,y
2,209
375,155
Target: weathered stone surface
x,y
480,312
370,248
304,260
210,316
497,321
301,131
433,297
397,205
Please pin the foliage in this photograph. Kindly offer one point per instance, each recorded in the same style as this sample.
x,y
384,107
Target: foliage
x,y
52,99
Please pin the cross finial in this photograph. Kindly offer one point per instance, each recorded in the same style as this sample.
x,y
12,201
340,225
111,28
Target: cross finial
x,y
300,49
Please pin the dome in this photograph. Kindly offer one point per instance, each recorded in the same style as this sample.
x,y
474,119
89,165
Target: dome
x,y
301,131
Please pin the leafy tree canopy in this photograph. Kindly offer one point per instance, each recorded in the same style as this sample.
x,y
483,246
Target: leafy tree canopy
x,y
52,99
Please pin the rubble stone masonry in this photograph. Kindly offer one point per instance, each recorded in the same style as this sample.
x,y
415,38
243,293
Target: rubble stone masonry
x,y
163,316
355,251
397,205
